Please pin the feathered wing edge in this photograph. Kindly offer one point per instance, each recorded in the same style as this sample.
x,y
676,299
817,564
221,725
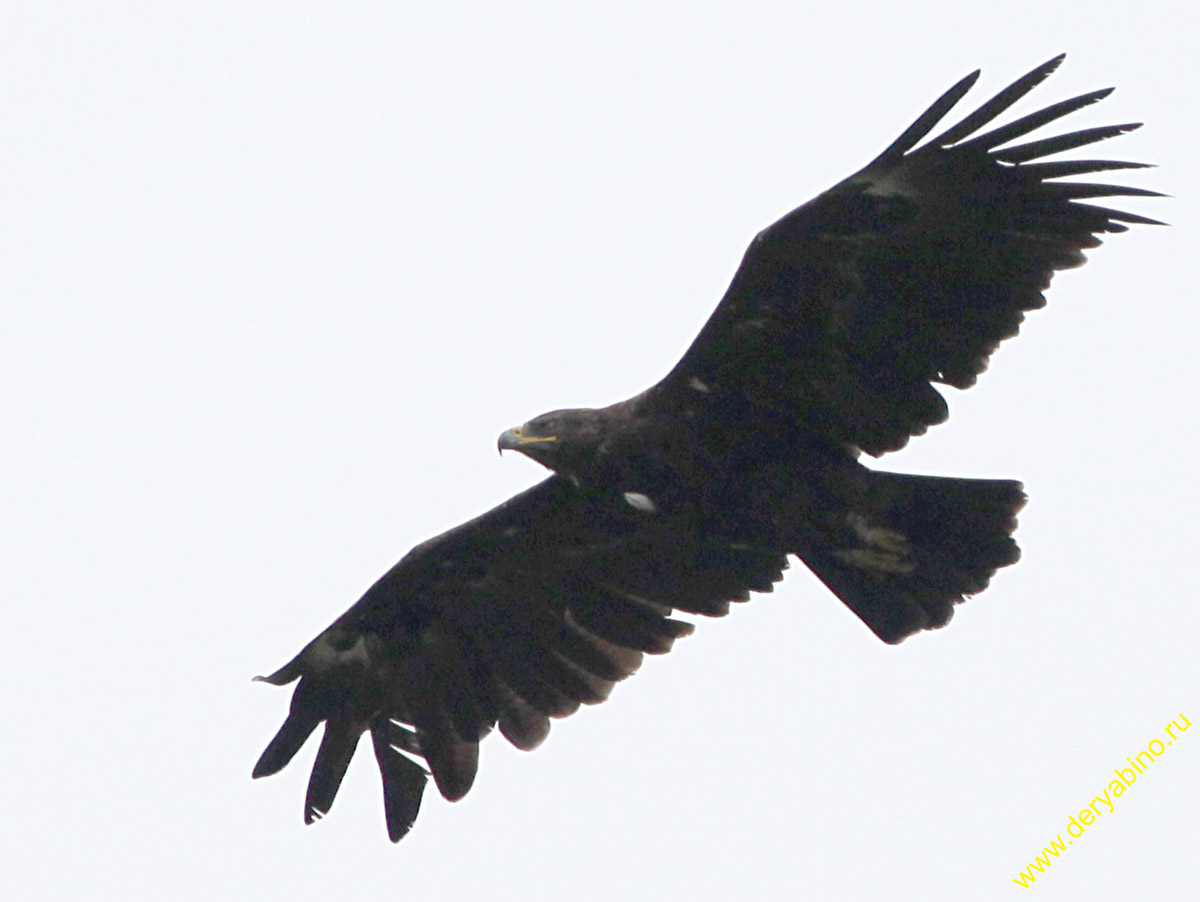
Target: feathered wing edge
x,y
1022,155
428,688
1045,223
910,273
982,225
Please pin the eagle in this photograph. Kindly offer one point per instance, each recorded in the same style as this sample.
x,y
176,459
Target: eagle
x,y
839,321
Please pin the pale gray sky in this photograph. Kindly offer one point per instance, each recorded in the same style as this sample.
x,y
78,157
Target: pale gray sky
x,y
276,275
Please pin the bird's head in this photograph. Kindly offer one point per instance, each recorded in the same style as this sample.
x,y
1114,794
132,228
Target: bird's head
x,y
562,440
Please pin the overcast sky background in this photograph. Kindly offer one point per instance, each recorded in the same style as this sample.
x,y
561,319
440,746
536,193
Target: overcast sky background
x,y
275,276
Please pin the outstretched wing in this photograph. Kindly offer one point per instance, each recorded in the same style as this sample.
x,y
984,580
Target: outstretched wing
x,y
520,615
909,272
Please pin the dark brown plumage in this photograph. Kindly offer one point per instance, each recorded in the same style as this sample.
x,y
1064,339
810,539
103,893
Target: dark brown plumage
x,y
691,495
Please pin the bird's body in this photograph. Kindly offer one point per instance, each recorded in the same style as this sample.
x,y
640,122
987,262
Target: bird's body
x,y
692,494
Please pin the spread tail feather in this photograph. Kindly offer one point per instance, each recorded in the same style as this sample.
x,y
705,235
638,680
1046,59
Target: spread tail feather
x,y
915,546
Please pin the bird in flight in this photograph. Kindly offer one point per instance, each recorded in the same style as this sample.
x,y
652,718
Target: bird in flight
x,y
841,318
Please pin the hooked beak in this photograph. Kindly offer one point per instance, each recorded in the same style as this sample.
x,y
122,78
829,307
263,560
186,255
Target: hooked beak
x,y
514,440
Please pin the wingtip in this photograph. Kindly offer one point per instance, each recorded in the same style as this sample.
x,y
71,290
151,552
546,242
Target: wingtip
x,y
1044,71
312,815
403,781
927,120
288,673
270,762
262,768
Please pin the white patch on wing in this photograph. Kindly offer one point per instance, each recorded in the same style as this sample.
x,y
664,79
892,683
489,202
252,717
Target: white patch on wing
x,y
696,384
878,536
324,655
880,562
887,551
641,502
888,185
